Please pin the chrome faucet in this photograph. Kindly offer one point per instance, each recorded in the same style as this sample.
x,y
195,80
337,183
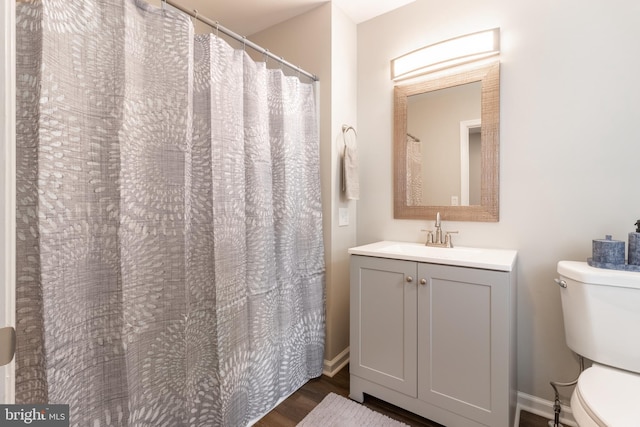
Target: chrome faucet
x,y
438,229
436,239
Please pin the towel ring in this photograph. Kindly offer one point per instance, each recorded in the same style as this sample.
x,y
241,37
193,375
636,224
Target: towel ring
x,y
347,128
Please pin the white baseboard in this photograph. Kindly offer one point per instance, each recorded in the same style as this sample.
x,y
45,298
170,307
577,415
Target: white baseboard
x,y
542,407
333,366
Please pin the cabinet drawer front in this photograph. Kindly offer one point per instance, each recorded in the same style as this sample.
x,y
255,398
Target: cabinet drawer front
x,y
384,322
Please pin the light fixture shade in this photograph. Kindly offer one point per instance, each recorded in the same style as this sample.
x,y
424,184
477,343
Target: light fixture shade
x,y
446,54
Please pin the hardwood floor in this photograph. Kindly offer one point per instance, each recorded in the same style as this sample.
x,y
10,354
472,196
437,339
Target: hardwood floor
x,y
292,410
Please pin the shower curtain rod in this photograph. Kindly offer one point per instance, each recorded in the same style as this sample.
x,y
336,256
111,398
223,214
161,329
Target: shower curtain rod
x,y
214,24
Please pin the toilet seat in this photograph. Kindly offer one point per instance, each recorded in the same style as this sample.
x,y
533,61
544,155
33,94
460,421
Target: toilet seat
x,y
606,397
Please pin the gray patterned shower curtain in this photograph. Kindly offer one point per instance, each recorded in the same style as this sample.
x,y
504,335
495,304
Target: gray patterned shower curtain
x,y
170,256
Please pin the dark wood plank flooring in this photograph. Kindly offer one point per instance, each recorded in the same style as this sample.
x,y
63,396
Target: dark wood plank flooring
x,y
292,410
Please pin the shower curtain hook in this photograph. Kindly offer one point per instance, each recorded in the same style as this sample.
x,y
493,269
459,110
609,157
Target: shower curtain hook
x,y
195,11
244,43
163,3
266,57
217,27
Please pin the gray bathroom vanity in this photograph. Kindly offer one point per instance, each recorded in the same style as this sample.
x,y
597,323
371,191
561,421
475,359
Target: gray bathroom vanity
x,y
433,330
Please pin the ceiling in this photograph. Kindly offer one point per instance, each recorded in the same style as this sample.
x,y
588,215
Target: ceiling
x,y
247,17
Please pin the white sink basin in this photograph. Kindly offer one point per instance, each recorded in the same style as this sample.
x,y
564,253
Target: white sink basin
x,y
489,259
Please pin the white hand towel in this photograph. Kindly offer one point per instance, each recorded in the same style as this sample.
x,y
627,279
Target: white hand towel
x,y
350,179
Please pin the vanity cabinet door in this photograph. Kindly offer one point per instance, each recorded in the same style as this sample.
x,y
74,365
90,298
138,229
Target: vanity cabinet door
x,y
463,330
384,322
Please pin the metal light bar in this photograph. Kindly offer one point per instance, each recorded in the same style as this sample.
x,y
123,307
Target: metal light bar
x,y
446,54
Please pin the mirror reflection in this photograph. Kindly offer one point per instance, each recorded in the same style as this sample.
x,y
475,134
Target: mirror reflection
x,y
446,145
443,146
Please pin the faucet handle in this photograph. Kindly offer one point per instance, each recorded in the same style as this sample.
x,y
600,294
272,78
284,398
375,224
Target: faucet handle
x,y
429,235
447,238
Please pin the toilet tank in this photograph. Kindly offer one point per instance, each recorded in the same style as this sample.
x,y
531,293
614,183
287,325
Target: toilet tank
x,y
601,310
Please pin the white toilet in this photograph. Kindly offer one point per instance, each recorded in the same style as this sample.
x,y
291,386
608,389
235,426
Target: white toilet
x,y
601,310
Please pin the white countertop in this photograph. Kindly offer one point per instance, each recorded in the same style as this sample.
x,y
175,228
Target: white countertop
x,y
488,259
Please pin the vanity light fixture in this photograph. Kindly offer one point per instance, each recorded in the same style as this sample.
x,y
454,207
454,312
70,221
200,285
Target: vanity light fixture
x,y
446,54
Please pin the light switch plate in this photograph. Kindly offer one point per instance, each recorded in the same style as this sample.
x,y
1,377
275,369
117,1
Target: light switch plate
x,y
343,217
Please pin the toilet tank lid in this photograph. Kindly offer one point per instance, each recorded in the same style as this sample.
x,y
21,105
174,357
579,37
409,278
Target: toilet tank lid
x,y
583,272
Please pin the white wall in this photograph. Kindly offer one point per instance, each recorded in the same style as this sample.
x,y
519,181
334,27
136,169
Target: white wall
x,y
343,112
570,85
7,188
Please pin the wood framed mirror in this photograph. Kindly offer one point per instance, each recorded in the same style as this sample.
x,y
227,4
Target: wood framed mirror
x,y
414,155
